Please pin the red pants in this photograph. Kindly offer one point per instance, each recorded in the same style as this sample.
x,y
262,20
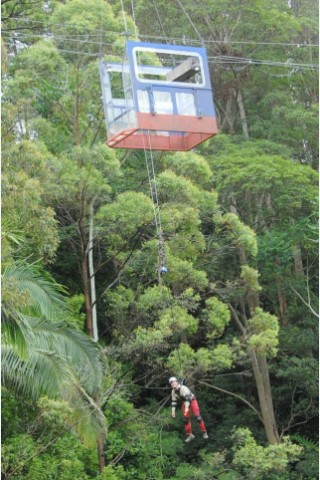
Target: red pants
x,y
194,408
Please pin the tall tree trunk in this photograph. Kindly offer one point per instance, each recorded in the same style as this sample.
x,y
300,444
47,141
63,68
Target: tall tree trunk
x,y
271,422
227,115
282,297
101,453
85,281
283,305
91,319
261,376
243,115
259,221
259,365
297,258
262,379
92,275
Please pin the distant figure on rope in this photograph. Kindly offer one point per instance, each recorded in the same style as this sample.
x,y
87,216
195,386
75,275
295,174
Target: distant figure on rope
x,y
189,401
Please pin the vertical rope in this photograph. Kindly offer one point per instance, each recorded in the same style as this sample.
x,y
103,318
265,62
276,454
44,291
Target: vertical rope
x,y
124,17
159,18
156,208
154,179
151,175
134,19
100,33
180,372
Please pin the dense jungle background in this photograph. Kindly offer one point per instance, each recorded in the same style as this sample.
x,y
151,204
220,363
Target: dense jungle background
x,y
90,331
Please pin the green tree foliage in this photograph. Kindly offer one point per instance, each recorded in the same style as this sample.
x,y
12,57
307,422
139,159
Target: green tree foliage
x,y
25,212
280,203
258,462
235,315
48,448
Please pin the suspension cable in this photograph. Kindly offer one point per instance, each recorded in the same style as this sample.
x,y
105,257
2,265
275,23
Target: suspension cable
x,y
191,22
159,18
152,179
124,17
148,152
134,19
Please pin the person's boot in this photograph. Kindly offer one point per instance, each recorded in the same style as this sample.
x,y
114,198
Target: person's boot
x,y
205,435
189,438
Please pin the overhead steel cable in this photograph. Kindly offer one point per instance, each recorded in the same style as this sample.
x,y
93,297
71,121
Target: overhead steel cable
x,y
219,60
174,39
252,61
124,17
134,19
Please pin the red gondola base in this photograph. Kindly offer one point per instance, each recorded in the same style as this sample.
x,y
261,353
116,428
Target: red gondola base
x,y
165,132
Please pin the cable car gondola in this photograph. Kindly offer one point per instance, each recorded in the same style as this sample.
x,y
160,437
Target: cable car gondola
x,y
158,98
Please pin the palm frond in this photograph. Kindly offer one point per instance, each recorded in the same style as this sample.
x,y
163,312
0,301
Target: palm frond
x,y
44,294
44,373
79,350
11,234
307,443
72,346
14,332
42,355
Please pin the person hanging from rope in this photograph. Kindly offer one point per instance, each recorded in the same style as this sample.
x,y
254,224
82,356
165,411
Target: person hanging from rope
x,y
189,402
